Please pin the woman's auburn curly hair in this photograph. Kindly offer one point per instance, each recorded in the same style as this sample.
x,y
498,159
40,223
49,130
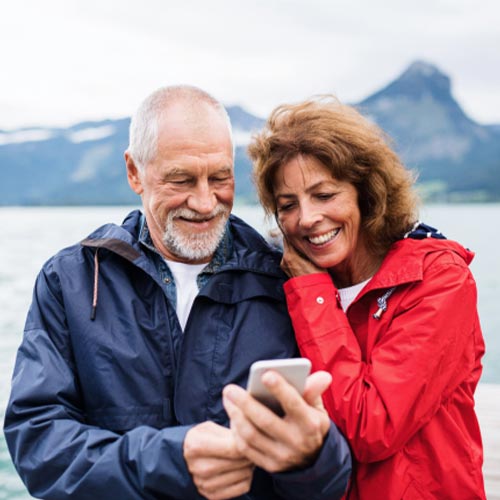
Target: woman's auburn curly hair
x,y
353,149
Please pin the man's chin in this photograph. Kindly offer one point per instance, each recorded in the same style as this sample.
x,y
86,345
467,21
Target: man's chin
x,y
197,246
193,253
190,244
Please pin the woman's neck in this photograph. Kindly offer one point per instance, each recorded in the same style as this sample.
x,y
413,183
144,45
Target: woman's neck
x,y
356,271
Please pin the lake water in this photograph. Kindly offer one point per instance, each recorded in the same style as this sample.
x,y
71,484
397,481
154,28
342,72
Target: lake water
x,y
31,235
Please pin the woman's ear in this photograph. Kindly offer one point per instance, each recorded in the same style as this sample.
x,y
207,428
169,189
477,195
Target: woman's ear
x,y
134,175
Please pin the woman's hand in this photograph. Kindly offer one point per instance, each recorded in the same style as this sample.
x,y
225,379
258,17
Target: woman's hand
x,y
295,263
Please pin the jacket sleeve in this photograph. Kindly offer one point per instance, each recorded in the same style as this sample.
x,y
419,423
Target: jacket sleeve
x,y
326,479
423,351
56,453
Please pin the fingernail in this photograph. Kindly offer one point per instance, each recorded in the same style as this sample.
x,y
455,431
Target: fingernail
x,y
269,378
228,405
228,393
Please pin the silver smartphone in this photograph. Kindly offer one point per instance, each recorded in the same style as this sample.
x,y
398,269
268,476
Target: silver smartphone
x,y
293,370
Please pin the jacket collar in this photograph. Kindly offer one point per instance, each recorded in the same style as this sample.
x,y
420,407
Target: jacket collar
x,y
405,261
250,252
222,253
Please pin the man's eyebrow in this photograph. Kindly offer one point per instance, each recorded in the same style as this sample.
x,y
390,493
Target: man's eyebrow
x,y
180,171
227,169
177,171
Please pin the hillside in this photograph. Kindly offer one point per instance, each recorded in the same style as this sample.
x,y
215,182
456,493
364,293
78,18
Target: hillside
x,y
456,158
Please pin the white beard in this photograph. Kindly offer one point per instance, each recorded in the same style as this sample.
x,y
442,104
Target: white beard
x,y
198,246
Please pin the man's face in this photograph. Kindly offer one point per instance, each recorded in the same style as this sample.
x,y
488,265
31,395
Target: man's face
x,y
187,190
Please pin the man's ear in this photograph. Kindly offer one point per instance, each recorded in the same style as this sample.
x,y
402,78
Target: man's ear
x,y
133,174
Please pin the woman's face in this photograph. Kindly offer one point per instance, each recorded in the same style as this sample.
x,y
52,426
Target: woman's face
x,y
320,217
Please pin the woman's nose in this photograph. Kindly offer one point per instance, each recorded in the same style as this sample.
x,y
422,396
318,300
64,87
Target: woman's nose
x,y
309,215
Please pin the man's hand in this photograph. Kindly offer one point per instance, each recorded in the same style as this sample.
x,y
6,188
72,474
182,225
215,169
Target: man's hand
x,y
218,469
279,444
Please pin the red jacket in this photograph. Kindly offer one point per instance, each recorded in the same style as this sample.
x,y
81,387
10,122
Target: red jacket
x,y
403,385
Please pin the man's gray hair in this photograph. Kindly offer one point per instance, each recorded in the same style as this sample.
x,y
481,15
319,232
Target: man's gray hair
x,y
143,132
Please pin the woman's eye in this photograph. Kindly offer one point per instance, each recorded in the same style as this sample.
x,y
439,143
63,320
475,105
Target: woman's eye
x,y
286,207
324,196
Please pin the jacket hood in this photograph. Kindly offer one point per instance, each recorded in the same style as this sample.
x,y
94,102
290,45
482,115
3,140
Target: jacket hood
x,y
251,251
414,252
121,240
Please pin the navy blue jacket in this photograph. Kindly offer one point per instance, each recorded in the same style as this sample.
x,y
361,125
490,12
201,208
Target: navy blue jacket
x,y
100,407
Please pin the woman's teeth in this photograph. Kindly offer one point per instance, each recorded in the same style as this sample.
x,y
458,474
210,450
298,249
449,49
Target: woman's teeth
x,y
320,240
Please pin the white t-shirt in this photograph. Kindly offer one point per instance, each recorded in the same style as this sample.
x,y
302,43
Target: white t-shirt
x,y
348,294
187,289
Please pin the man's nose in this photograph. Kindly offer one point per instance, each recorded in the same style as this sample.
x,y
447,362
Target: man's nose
x,y
202,199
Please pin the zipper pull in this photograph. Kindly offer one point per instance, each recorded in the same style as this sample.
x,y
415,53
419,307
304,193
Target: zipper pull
x,y
382,303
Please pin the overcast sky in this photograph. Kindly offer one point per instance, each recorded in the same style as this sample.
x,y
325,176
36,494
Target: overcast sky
x,y
65,61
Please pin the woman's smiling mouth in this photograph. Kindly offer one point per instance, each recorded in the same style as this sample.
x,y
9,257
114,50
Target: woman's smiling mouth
x,y
323,238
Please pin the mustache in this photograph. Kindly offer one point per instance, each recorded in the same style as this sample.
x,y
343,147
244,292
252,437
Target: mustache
x,y
187,213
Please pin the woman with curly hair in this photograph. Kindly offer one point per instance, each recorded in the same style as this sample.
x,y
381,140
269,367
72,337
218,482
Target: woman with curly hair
x,y
384,303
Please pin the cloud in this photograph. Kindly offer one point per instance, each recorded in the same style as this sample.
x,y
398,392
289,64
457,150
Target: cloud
x,y
65,62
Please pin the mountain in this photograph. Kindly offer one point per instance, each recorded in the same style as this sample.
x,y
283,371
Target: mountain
x,y
456,158
83,164
53,166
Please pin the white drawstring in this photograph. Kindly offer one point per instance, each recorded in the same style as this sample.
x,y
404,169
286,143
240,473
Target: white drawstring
x,y
96,286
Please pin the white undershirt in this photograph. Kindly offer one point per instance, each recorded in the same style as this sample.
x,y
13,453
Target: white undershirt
x,y
186,287
348,294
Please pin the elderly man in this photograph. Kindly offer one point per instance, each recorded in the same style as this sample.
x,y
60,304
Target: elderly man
x,y
134,335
